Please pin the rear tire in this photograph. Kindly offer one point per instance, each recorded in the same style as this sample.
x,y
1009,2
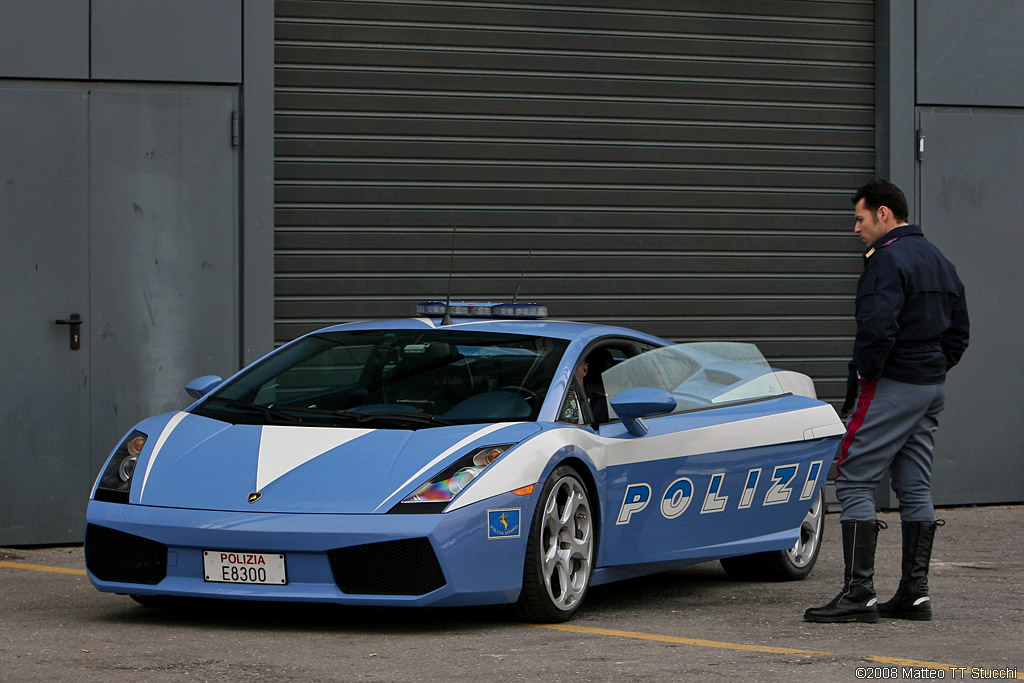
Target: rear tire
x,y
559,551
792,564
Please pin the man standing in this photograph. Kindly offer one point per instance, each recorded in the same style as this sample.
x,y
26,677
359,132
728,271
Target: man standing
x,y
911,328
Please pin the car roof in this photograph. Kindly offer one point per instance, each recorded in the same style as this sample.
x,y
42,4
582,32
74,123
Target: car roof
x,y
559,329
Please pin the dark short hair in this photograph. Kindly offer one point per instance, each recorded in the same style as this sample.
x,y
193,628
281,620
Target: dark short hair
x,y
883,193
599,360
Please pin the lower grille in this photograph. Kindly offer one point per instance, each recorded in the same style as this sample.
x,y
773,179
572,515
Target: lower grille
x,y
124,558
405,567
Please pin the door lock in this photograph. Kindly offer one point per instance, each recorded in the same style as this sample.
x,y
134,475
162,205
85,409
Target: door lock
x,y
74,324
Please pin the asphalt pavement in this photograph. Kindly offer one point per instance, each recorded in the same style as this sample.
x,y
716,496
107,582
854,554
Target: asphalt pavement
x,y
685,625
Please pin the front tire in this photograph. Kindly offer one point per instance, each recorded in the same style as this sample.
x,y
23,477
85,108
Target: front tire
x,y
792,564
559,551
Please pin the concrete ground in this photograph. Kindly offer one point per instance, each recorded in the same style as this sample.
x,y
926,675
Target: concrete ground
x,y
692,624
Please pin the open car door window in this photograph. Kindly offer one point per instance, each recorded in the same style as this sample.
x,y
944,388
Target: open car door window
x,y
698,375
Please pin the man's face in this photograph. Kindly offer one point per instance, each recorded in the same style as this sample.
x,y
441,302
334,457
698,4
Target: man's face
x,y
868,226
581,371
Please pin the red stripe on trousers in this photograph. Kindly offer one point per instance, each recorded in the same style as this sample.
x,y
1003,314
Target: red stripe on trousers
x,y
867,392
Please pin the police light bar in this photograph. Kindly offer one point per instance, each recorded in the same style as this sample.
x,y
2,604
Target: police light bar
x,y
463,309
431,308
471,309
527,311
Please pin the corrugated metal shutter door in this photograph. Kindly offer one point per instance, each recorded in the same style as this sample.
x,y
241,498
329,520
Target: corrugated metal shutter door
x,y
679,166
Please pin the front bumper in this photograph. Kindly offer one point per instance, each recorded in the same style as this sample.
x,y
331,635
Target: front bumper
x,y
144,550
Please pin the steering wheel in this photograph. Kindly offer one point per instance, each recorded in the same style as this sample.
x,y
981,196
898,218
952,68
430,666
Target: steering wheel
x,y
528,394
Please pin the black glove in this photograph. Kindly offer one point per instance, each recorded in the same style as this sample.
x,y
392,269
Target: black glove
x,y
852,383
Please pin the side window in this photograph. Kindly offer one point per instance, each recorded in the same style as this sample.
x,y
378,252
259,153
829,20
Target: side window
x,y
699,375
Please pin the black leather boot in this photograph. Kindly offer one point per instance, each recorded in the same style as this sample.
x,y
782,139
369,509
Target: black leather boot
x,y
857,601
911,600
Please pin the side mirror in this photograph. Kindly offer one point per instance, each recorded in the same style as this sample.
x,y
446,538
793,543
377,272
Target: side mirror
x,y
633,404
201,386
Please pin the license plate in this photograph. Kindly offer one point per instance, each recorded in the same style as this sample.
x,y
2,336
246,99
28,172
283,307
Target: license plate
x,y
223,566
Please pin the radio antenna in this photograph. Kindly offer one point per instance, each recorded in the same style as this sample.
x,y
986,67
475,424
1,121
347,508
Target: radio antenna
x,y
447,319
526,261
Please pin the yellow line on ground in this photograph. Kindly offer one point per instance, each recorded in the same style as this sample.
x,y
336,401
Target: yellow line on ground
x,y
637,635
683,641
911,663
42,568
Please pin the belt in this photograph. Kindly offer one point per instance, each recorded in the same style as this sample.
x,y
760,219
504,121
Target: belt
x,y
926,345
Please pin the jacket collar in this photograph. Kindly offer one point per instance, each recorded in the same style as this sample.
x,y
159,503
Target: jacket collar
x,y
911,230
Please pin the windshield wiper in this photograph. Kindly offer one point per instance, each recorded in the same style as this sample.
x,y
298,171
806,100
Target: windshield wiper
x,y
283,413
392,416
269,411
397,416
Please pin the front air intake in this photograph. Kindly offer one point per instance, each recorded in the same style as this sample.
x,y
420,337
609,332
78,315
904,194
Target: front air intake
x,y
124,558
405,567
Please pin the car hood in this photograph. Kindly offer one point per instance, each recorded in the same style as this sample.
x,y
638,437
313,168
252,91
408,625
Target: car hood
x,y
199,463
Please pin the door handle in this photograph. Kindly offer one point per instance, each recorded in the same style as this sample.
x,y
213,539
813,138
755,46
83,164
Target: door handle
x,y
74,324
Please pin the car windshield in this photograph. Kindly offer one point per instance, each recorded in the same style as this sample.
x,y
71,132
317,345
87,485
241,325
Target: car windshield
x,y
401,379
698,375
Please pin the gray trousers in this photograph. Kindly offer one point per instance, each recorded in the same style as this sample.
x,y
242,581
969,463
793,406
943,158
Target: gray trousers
x,y
893,428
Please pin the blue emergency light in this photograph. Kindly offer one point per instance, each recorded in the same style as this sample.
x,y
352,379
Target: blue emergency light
x,y
472,309
526,311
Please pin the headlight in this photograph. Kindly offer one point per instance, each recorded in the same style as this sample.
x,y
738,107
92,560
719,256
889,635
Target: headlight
x,y
116,480
444,487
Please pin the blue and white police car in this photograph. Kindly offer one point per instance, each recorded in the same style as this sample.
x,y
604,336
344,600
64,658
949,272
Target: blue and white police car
x,y
493,457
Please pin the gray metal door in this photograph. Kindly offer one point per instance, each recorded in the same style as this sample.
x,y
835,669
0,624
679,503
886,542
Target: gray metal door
x,y
44,275
117,204
163,251
972,168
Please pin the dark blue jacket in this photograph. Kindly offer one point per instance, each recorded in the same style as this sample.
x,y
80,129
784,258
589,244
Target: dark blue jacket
x,y
912,321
